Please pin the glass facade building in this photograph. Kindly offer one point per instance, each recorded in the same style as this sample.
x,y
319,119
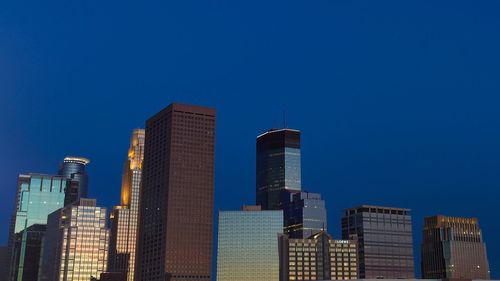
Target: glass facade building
x,y
318,257
75,247
453,248
248,245
124,218
304,214
385,241
37,196
277,166
74,168
176,202
26,255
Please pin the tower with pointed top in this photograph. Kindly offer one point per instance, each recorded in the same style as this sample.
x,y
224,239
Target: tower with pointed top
x,y
124,218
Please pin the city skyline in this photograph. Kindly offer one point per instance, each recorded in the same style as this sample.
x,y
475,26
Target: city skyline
x,y
125,201
397,102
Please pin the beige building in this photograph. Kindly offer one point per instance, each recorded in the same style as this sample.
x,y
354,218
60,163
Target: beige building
x,y
124,218
318,257
453,248
75,246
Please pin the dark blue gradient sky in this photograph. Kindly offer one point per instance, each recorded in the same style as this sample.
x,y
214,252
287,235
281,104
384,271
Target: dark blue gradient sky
x,y
398,101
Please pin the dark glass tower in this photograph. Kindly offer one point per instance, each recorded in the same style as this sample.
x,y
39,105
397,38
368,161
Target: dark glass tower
x,y
26,256
385,241
453,248
176,202
74,168
304,214
278,166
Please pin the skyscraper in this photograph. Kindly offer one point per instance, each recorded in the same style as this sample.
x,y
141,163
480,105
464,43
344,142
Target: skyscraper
x,y
37,196
74,168
124,218
453,248
26,255
75,246
248,245
385,241
317,257
304,214
278,166
176,202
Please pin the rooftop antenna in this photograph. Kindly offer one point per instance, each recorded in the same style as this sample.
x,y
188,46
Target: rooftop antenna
x,y
284,119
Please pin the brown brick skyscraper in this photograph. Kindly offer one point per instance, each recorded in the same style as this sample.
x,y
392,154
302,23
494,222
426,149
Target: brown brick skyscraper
x,y
176,204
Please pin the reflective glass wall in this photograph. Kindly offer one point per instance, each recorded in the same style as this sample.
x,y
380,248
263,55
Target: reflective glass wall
x,y
248,245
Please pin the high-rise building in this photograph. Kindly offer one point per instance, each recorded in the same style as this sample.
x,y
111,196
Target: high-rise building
x,y
75,246
318,257
278,166
304,214
26,255
176,202
37,196
385,241
74,168
453,248
248,245
124,218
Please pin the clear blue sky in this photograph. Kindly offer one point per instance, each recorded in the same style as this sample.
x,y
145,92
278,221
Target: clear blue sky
x,y
398,101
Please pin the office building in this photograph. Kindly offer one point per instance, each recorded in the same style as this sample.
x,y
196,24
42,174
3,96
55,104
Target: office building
x,y
37,196
75,246
385,241
277,166
453,248
176,202
26,252
318,257
74,168
304,214
124,218
248,245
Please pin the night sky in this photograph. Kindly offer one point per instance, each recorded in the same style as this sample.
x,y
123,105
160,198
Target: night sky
x,y
398,101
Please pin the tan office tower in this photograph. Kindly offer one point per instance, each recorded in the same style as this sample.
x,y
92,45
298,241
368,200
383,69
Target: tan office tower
x,y
176,202
75,246
124,218
453,248
318,257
